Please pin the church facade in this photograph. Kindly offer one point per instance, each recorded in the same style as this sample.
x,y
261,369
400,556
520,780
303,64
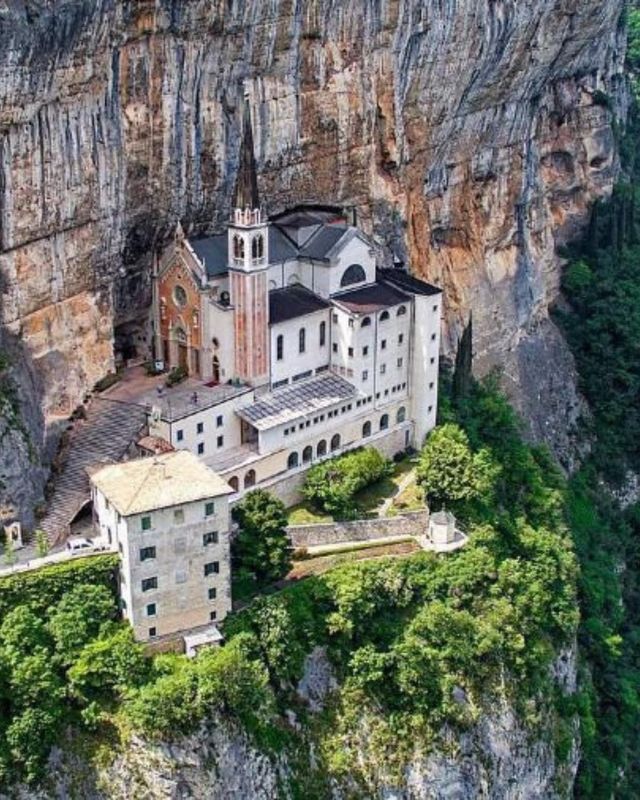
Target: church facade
x,y
303,347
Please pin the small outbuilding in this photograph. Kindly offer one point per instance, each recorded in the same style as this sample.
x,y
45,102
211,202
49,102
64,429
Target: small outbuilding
x,y
442,527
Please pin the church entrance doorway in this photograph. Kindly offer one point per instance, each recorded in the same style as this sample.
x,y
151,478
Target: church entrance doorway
x,y
183,357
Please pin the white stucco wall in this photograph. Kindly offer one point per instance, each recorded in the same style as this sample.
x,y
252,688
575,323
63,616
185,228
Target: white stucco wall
x,y
293,362
424,364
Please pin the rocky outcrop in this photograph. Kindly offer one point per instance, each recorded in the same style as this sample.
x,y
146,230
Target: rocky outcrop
x,y
498,757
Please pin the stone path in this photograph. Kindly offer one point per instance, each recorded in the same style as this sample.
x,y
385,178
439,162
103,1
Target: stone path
x,y
408,479
104,436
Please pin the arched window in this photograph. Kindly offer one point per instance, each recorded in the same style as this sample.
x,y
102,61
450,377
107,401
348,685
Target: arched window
x,y
335,441
365,322
401,311
225,299
353,274
272,285
233,483
307,454
250,478
384,316
366,430
384,422
323,333
257,247
292,461
402,414
302,340
321,449
238,247
279,347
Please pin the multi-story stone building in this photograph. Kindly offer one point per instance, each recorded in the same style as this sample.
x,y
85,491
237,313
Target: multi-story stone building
x,y
168,515
304,346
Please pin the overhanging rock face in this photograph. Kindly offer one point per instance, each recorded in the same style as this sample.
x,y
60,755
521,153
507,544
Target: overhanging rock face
x,y
471,138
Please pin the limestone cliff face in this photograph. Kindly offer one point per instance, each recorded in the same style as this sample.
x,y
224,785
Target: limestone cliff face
x,y
470,137
495,759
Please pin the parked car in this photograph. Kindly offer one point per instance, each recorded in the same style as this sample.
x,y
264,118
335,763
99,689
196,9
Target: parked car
x,y
82,545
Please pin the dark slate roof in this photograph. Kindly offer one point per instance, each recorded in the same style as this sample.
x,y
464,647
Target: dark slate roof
x,y
293,301
373,297
280,245
213,252
319,243
300,400
403,280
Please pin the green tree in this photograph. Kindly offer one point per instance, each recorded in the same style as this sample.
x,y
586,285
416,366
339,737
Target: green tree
x,y
78,618
10,556
450,472
262,546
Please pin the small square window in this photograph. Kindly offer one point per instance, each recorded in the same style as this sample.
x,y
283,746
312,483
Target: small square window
x,y
404,385
219,420
431,385
435,308
180,435
220,441
178,516
335,317
212,593
399,362
432,360
147,553
350,351
200,427
210,538
383,344
365,350
209,509
286,431
149,583
152,633
383,369
145,523
200,448
212,615
334,347
212,568
433,337
151,610
430,409
386,393
377,395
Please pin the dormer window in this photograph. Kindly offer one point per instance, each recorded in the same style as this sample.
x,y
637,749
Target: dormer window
x,y
353,274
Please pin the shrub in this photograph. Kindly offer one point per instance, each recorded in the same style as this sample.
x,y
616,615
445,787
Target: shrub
x,y
332,484
176,375
109,380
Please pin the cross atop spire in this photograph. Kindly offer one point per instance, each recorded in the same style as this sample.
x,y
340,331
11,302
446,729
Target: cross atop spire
x,y
246,191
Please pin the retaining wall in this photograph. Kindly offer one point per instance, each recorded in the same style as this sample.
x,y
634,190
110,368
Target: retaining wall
x,y
410,523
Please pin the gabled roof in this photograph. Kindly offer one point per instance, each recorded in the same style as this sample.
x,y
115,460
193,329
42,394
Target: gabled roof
x,y
213,252
300,400
322,241
147,484
292,302
368,299
408,283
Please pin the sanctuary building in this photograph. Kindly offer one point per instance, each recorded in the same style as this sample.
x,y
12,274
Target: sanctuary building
x,y
304,347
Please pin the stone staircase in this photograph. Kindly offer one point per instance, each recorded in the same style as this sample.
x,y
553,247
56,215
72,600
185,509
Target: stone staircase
x,y
104,436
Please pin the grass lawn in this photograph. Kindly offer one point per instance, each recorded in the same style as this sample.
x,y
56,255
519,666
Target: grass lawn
x,y
306,514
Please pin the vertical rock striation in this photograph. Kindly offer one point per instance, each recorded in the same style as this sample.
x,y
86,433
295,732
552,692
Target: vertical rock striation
x,y
470,136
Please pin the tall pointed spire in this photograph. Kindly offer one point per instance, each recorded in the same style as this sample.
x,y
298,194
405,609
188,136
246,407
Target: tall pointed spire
x,y
246,191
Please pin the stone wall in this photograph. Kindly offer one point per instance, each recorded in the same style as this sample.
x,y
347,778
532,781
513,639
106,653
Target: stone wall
x,y
411,523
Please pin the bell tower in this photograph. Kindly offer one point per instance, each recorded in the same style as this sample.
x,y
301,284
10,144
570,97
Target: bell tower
x,y
248,261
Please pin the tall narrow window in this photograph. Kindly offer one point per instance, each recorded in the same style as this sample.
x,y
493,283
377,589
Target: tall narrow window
x,y
323,333
302,340
279,347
